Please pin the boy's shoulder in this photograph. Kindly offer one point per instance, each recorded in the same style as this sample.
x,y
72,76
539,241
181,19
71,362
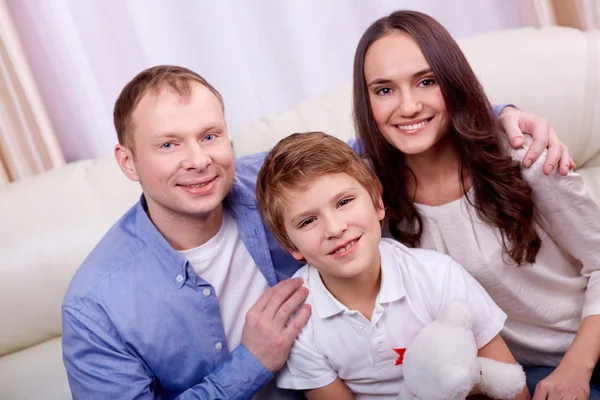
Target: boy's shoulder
x,y
411,257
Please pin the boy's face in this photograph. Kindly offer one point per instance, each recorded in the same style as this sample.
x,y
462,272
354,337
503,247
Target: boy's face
x,y
334,226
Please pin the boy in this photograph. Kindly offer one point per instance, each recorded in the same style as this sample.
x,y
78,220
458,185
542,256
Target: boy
x,y
369,295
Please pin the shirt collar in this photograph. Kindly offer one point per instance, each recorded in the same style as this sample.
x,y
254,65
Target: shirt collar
x,y
173,262
392,287
392,284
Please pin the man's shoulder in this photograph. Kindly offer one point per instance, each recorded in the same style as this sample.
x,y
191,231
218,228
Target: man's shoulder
x,y
119,248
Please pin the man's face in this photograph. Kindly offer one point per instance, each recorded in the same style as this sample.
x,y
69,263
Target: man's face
x,y
183,158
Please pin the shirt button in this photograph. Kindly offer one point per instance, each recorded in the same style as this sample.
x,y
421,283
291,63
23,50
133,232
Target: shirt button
x,y
360,326
218,346
189,270
179,278
206,292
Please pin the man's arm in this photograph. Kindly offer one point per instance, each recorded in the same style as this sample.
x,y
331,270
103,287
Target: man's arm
x,y
515,122
99,364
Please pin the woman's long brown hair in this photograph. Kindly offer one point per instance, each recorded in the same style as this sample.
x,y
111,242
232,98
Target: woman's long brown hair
x,y
501,197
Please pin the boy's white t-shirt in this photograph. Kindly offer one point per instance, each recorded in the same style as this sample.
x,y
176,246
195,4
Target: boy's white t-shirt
x,y
336,341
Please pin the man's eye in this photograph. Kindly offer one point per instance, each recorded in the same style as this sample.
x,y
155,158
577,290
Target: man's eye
x,y
167,145
209,138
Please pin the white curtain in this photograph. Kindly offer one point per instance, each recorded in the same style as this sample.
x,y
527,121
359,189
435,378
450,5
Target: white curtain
x,y
263,55
27,143
580,14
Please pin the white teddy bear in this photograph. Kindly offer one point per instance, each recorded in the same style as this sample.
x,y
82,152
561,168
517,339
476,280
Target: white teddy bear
x,y
442,364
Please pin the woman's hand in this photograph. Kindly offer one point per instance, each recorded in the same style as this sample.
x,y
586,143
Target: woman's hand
x,y
565,384
515,122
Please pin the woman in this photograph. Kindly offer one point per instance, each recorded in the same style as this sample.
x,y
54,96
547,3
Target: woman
x,y
452,184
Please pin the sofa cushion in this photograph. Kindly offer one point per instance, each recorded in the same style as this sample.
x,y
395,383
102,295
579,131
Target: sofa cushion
x,y
34,373
51,222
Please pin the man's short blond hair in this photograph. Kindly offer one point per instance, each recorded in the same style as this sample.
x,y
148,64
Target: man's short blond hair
x,y
294,163
153,80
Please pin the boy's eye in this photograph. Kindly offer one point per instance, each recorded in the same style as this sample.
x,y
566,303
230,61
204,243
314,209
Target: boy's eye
x,y
345,201
383,91
307,221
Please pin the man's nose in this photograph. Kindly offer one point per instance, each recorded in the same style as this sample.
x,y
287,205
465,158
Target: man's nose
x,y
196,157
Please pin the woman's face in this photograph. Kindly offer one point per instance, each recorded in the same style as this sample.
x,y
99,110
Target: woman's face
x,y
406,100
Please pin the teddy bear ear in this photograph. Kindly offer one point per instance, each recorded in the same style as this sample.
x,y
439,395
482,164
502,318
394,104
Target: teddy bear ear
x,y
400,353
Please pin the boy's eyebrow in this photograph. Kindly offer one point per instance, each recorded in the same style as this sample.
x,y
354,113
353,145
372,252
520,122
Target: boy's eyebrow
x,y
384,81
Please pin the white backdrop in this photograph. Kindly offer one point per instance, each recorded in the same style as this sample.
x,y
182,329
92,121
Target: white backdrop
x,y
262,55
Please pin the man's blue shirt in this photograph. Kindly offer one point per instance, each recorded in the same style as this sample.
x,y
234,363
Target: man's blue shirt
x,y
138,324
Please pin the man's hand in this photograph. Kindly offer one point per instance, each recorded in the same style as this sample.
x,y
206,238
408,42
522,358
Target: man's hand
x,y
514,122
267,332
563,384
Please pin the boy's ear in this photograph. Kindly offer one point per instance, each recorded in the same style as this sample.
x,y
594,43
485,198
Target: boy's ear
x,y
296,254
380,209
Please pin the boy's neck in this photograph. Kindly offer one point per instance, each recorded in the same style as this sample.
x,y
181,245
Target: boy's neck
x,y
358,293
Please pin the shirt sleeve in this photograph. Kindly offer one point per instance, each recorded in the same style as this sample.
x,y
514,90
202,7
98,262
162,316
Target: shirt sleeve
x,y
306,368
569,215
100,366
499,107
488,318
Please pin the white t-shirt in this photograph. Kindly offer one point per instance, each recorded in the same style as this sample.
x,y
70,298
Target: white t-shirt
x,y
336,341
546,301
225,263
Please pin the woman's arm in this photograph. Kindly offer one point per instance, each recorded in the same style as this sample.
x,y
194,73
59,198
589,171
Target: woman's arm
x,y
571,378
571,218
497,350
335,390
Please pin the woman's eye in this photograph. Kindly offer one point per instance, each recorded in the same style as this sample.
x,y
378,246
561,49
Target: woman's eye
x,y
427,82
383,91
307,221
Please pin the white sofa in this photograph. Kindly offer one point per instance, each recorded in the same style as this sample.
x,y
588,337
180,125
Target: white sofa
x,y
50,222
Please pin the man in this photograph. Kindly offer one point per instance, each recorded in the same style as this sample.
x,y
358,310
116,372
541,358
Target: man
x,y
185,297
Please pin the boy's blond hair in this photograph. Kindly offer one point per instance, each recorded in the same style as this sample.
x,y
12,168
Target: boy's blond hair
x,y
294,163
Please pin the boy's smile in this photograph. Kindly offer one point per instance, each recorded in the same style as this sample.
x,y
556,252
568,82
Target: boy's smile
x,y
334,226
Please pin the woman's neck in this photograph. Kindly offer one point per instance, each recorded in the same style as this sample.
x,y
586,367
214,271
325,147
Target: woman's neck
x,y
437,174
358,293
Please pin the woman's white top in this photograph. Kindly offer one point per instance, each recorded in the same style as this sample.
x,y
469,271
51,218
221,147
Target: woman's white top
x,y
544,301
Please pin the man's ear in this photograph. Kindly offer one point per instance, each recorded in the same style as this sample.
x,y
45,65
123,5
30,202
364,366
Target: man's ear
x,y
124,157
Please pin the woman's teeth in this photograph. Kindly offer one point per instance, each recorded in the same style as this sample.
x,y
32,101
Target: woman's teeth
x,y
412,127
346,247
